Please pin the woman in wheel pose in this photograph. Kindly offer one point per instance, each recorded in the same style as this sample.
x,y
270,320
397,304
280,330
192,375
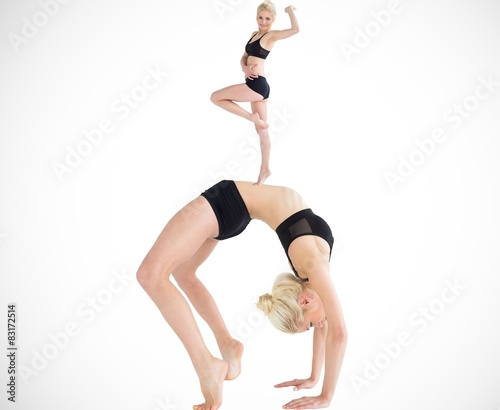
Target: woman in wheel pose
x,y
256,89
297,302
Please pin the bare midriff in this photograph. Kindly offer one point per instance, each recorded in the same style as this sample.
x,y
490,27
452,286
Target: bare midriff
x,y
259,65
271,204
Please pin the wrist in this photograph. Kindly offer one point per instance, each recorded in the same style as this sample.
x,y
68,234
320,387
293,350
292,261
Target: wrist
x,y
328,395
314,378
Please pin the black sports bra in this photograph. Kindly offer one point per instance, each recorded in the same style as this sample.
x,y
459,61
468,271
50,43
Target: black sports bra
x,y
255,49
301,223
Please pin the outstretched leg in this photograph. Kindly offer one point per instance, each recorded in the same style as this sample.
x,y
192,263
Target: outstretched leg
x,y
227,98
203,302
179,241
260,107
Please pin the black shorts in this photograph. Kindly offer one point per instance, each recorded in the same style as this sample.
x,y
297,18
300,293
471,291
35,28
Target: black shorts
x,y
229,209
259,85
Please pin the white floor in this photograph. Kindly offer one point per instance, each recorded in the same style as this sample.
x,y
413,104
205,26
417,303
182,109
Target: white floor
x,y
384,116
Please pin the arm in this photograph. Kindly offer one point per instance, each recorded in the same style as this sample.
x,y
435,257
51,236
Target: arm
x,y
336,337
317,271
282,34
318,351
318,359
247,69
243,61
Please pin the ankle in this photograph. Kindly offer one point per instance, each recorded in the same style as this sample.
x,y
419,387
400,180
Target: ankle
x,y
225,343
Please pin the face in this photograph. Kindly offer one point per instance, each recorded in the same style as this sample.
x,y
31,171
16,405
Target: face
x,y
316,318
264,19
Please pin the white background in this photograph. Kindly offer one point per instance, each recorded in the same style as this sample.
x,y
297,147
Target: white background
x,y
338,127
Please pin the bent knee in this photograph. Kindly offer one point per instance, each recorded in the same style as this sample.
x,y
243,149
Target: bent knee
x,y
185,279
148,276
214,97
142,276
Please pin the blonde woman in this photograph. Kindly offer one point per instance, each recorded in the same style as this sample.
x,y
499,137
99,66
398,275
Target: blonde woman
x,y
256,89
296,304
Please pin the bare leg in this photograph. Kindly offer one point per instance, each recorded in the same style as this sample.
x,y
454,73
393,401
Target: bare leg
x,y
227,98
181,238
260,107
205,305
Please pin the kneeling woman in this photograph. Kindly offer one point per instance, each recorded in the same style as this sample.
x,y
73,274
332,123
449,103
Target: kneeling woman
x,y
296,303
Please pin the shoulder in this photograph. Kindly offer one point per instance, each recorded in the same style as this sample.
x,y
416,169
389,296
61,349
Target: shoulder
x,y
310,255
273,35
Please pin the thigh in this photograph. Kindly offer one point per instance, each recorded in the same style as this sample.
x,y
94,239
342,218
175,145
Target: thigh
x,y
189,267
182,237
238,93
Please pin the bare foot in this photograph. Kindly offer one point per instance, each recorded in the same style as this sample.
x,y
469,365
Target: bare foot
x,y
211,380
264,174
254,117
232,355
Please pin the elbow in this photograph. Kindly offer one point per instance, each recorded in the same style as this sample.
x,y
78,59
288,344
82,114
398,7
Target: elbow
x,y
296,30
344,336
339,334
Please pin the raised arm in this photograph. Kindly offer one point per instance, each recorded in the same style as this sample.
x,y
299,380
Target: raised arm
x,y
294,29
293,19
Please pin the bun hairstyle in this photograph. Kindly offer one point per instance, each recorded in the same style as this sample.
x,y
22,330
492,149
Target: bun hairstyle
x,y
281,306
265,303
268,6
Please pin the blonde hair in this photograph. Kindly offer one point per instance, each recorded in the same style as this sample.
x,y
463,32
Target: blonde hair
x,y
268,6
281,306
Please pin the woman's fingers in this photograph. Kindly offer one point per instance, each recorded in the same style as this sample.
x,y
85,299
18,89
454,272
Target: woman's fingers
x,y
288,383
307,403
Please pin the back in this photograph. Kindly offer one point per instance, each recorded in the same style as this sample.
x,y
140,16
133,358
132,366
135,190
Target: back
x,y
269,203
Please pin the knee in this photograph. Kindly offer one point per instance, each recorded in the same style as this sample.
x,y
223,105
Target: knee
x,y
185,279
142,277
148,276
214,98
